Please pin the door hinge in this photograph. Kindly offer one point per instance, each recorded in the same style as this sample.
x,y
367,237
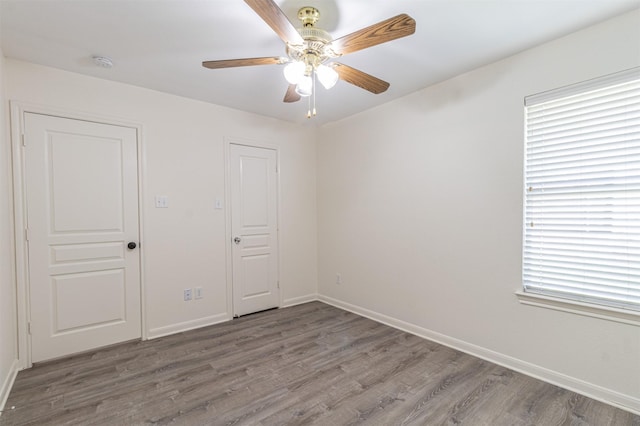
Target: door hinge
x,y
278,284
28,328
26,234
24,143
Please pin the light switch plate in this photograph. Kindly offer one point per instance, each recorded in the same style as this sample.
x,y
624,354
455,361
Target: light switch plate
x,y
162,202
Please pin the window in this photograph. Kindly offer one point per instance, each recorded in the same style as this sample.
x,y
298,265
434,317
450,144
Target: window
x,y
582,192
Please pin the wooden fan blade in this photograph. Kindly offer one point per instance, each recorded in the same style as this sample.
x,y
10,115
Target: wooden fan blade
x,y
270,13
360,78
291,95
230,63
391,29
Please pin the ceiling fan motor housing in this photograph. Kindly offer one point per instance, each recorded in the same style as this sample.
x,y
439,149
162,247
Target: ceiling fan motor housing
x,y
314,51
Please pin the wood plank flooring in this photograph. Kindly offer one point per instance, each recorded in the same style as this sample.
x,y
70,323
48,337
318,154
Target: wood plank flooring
x,y
308,364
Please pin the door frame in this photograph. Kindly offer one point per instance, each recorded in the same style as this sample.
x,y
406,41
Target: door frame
x,y
21,259
228,141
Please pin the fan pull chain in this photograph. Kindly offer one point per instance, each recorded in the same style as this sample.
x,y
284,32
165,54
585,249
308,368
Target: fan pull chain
x,y
314,93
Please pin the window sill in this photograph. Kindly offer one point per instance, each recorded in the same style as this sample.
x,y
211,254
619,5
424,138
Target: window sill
x,y
602,312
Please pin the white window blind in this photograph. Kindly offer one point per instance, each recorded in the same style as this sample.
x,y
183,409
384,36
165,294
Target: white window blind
x,y
582,192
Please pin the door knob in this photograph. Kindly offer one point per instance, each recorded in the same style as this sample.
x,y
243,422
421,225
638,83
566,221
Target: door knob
x,y
131,245
237,240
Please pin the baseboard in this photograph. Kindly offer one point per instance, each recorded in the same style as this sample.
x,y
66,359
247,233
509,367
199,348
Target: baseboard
x,y
7,384
154,333
587,389
299,300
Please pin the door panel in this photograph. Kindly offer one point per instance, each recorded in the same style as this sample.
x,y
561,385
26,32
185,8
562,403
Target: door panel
x,y
82,210
104,292
256,275
254,228
96,160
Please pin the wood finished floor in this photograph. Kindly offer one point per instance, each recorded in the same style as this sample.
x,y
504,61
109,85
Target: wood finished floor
x,y
308,364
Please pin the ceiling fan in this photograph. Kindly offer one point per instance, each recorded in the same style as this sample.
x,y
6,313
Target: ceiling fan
x,y
310,50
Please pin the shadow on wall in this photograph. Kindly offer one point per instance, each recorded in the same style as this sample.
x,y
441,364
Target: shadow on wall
x,y
463,87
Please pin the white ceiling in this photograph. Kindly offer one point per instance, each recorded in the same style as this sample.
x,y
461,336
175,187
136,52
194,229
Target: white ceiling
x,y
160,44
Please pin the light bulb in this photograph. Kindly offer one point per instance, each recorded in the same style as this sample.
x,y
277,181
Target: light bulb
x,y
327,75
305,86
294,71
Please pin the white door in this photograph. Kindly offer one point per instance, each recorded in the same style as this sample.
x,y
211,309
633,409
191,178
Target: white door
x,y
254,228
82,213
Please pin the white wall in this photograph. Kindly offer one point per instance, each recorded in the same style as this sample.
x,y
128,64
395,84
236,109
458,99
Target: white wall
x,y
184,245
420,209
8,339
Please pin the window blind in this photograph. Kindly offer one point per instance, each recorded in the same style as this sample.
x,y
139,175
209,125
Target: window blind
x,y
582,192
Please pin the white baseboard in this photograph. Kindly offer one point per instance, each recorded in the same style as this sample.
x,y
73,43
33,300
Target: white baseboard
x,y
587,389
299,300
154,333
7,384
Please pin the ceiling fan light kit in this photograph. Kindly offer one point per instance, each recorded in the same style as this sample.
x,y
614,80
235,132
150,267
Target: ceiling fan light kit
x,y
294,71
327,76
304,87
310,50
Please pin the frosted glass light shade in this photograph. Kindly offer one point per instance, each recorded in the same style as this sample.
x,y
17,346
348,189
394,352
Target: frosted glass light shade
x,y
305,86
328,76
294,71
